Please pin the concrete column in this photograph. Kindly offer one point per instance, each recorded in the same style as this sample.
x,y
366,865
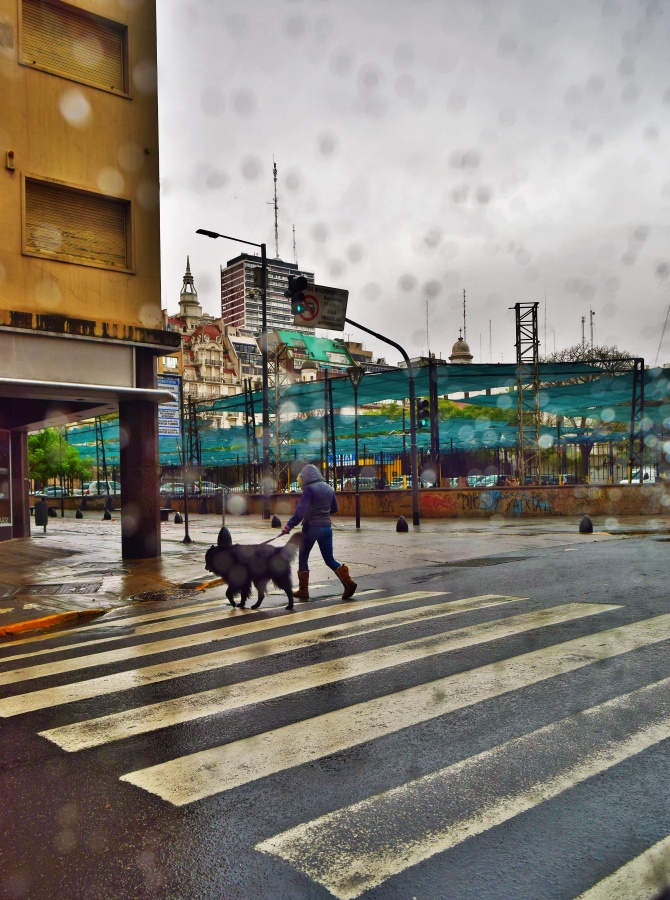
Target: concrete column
x,y
20,484
139,467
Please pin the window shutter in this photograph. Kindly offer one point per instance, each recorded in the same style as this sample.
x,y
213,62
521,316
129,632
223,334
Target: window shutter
x,y
69,42
77,226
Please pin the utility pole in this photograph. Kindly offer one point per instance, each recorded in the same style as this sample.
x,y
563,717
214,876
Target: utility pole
x,y
591,315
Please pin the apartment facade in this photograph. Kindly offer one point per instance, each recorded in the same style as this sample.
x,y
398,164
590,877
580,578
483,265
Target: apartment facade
x,y
241,296
80,316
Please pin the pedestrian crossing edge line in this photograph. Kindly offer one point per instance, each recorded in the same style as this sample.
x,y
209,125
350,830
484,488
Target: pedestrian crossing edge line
x,y
142,719
429,815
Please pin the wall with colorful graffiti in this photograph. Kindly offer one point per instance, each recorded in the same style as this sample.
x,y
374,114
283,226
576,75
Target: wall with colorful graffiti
x,y
509,502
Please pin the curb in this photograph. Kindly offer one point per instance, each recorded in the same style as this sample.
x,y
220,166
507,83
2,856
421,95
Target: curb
x,y
51,621
201,584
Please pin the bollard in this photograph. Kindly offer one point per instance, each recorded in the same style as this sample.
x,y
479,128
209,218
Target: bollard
x,y
79,514
108,504
276,522
84,504
178,518
41,513
53,513
401,524
203,506
586,526
225,538
107,516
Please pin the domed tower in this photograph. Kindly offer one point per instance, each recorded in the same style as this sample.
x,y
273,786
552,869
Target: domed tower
x,y
460,352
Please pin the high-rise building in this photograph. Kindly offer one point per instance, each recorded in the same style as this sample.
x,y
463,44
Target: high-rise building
x,y
241,297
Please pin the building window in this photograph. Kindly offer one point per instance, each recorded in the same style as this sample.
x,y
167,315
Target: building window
x,y
170,362
67,41
76,226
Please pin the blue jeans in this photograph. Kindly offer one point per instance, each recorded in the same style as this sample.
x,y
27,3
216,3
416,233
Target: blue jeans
x,y
321,535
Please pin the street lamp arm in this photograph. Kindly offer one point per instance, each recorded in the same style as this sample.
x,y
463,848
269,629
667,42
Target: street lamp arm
x,y
215,234
412,415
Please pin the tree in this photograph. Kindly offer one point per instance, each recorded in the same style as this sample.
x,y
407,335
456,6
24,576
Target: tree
x,y
50,456
609,360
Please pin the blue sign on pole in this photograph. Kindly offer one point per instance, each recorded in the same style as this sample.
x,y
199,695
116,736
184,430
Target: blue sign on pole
x,y
169,414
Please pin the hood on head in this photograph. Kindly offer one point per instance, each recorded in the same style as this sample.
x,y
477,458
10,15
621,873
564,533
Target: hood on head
x,y
310,474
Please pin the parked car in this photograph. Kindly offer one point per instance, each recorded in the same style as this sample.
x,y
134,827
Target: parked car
x,y
648,477
99,488
364,484
54,490
172,488
208,488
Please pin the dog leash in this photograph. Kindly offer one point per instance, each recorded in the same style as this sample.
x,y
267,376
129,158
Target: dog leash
x,y
272,538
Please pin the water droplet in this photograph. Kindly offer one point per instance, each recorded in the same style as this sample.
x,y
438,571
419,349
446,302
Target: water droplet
x,y
251,168
295,26
407,282
74,107
145,77
244,102
327,143
110,181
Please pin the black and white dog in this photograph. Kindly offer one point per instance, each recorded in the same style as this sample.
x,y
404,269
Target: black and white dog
x,y
244,565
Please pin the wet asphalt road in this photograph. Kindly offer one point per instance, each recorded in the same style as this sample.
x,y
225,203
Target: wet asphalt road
x,y
444,782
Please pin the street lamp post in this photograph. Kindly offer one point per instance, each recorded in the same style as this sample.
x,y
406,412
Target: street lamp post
x,y
264,355
355,374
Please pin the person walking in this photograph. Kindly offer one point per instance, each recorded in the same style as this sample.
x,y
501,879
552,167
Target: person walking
x,y
317,504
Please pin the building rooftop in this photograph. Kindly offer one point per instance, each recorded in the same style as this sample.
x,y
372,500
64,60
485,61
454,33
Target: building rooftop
x,y
321,350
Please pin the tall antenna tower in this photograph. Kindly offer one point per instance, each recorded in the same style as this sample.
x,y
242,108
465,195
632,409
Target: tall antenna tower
x,y
465,337
591,315
295,252
583,333
274,174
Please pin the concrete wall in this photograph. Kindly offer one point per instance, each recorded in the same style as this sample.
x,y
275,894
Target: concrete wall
x,y
512,502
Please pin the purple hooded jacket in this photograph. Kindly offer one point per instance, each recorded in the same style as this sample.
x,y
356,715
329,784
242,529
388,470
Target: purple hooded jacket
x,y
317,503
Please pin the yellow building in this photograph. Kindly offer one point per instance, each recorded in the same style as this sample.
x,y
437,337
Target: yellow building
x,y
80,315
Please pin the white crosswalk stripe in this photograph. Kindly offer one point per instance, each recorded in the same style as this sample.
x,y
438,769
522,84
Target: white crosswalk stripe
x,y
642,878
443,809
94,732
406,824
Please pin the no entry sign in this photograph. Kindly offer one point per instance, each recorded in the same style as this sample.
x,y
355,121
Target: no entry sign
x,y
326,308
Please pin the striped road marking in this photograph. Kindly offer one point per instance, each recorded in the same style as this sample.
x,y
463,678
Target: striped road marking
x,y
195,665
643,878
110,657
131,722
167,623
208,772
434,813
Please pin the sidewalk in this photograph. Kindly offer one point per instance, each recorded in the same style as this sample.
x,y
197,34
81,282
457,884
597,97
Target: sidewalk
x,y
75,571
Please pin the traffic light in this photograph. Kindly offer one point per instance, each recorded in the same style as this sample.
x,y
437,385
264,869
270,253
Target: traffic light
x,y
258,277
422,413
295,292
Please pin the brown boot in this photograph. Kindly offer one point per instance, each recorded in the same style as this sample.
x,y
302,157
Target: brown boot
x,y
303,591
348,582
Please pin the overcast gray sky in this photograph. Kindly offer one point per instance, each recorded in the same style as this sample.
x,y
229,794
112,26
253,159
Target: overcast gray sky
x,y
511,149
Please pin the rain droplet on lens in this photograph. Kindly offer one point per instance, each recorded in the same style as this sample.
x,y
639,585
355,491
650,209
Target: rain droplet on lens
x,y
341,63
456,101
432,238
327,143
292,181
320,232
483,194
355,253
295,26
407,282
251,168
371,291
244,102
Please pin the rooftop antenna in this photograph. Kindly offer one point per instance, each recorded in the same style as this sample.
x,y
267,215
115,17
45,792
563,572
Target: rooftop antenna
x,y
295,252
583,334
427,341
591,315
274,174
464,331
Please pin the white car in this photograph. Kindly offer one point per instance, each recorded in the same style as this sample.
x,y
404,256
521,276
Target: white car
x,y
101,488
648,477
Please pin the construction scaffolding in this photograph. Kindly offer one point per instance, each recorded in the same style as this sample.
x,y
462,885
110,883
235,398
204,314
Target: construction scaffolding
x,y
528,394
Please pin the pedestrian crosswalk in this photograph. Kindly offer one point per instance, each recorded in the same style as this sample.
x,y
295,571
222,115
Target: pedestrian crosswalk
x,y
330,679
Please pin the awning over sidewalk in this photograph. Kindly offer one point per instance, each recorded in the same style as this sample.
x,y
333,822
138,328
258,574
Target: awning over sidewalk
x,y
28,403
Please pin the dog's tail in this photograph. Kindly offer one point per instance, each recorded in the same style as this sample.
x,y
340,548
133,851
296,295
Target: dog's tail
x,y
290,548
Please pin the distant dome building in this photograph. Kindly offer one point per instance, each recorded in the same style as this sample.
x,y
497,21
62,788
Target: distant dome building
x,y
460,352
